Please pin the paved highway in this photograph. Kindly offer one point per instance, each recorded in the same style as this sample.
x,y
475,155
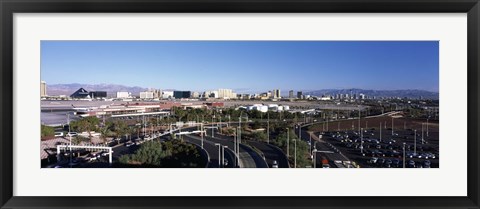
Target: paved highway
x,y
248,157
212,151
271,153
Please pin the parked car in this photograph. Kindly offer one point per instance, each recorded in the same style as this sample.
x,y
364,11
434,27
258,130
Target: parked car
x,y
388,163
72,134
225,162
430,155
396,163
58,134
380,161
426,164
411,164
105,153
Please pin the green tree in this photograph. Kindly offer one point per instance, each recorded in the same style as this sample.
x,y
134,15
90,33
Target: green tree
x,y
173,154
85,124
47,131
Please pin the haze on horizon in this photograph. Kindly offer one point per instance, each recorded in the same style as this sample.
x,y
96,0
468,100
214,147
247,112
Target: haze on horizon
x,y
244,66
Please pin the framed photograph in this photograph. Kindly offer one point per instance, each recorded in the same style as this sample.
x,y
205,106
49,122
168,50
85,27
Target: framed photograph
x,y
240,104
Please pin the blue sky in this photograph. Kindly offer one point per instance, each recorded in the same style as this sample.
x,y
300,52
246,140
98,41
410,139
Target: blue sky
x,y
245,66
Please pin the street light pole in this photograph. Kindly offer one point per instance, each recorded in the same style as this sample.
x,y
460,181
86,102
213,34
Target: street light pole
x,y
310,146
240,127
427,127
403,154
415,144
288,143
217,144
392,126
268,127
201,133
314,153
295,161
361,140
223,155
299,131
380,131
359,115
213,118
235,145
144,125
422,134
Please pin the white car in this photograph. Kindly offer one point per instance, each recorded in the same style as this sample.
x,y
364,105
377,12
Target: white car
x,y
58,134
72,134
105,153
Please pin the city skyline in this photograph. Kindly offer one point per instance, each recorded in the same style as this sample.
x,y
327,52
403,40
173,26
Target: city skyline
x,y
244,66
136,90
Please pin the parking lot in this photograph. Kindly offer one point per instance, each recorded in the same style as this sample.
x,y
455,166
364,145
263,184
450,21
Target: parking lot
x,y
370,150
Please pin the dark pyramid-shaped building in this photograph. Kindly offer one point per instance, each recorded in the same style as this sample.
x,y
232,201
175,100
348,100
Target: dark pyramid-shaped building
x,y
81,94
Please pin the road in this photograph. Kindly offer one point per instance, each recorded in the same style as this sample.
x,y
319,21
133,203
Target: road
x,y
248,157
271,153
212,151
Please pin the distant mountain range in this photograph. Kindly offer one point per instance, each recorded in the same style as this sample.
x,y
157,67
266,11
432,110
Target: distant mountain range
x,y
408,93
111,89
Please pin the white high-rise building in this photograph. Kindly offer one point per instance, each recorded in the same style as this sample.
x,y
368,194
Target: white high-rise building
x,y
43,88
226,94
124,94
146,95
195,94
211,94
157,93
167,94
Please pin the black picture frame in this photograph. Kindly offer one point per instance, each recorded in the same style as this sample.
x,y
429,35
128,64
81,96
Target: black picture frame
x,y
9,7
